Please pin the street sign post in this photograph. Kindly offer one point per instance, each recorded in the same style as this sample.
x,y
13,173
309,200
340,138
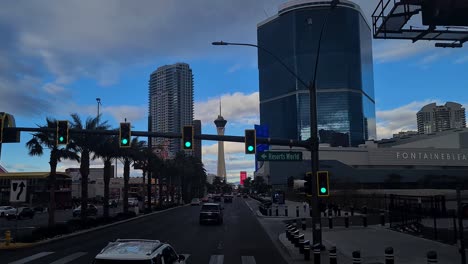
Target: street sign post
x,y
18,191
279,156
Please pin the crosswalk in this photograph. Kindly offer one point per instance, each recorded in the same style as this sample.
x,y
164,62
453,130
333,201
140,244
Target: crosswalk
x,y
39,257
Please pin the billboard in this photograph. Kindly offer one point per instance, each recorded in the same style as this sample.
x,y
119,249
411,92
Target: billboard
x,y
243,176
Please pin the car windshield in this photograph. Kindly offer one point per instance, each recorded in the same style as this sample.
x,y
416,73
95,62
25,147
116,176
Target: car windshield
x,y
210,207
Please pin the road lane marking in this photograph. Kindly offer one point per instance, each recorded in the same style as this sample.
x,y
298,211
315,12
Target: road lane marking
x,y
31,258
216,259
248,260
69,258
248,206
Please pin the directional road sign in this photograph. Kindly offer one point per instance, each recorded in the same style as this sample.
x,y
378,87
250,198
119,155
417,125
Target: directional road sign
x,y
18,191
279,156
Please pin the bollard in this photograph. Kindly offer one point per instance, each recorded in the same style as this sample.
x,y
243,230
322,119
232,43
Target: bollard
x,y
303,222
295,238
346,220
286,210
364,220
389,256
7,237
357,257
332,255
352,210
290,233
297,211
307,250
269,211
317,253
277,211
431,257
330,222
339,211
299,240
382,219
301,246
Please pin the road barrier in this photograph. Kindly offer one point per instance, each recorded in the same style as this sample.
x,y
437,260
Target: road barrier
x,y
303,223
357,257
277,212
382,218
300,238
330,222
286,210
297,211
307,250
389,256
317,253
332,255
364,220
346,220
431,257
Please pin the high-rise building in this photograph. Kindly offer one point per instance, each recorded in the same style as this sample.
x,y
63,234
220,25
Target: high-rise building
x,y
435,118
345,84
197,146
171,102
220,123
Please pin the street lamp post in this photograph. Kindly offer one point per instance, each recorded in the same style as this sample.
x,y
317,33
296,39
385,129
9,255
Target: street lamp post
x,y
98,100
314,143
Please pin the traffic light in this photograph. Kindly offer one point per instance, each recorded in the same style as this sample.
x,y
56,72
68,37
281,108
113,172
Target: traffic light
x,y
323,185
308,183
62,132
187,137
125,135
250,141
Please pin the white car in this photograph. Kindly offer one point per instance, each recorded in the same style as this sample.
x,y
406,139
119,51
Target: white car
x,y
132,202
195,201
135,251
6,210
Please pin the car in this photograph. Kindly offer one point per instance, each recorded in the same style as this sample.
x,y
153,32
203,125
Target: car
x,y
228,199
205,200
195,201
238,195
217,198
21,212
132,201
113,203
4,210
91,210
245,196
136,251
211,212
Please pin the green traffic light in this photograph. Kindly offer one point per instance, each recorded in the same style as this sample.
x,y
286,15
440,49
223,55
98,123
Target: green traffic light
x,y
124,141
61,139
250,148
323,190
188,144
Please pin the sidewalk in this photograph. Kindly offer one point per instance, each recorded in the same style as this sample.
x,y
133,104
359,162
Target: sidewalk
x,y
372,241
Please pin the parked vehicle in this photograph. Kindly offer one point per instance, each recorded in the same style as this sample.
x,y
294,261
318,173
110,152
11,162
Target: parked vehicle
x,y
21,212
4,210
91,210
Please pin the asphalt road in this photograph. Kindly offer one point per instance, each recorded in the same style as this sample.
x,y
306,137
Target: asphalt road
x,y
240,239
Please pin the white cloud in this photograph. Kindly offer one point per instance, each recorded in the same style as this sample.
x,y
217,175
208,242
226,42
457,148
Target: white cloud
x,y
229,148
234,68
395,50
461,60
402,118
132,113
53,89
236,108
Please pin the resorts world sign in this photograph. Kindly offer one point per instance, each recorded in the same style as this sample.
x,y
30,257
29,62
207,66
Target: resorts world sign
x,y
403,155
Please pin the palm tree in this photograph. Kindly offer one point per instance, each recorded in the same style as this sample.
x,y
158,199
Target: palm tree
x,y
36,147
86,144
107,150
129,155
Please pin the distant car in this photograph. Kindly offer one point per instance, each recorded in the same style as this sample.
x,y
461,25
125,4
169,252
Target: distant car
x,y
211,212
113,203
195,201
21,212
91,210
238,195
245,196
132,201
217,198
228,198
130,251
4,210
205,199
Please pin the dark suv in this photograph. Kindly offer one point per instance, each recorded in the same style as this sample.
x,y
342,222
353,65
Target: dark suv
x,y
211,212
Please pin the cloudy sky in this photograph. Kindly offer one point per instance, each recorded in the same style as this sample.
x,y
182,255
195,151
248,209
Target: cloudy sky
x,y
56,57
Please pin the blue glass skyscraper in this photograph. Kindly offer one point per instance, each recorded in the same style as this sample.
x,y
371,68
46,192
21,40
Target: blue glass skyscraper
x,y
345,85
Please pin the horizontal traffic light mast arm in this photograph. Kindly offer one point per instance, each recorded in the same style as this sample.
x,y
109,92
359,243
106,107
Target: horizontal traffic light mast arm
x,y
240,139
